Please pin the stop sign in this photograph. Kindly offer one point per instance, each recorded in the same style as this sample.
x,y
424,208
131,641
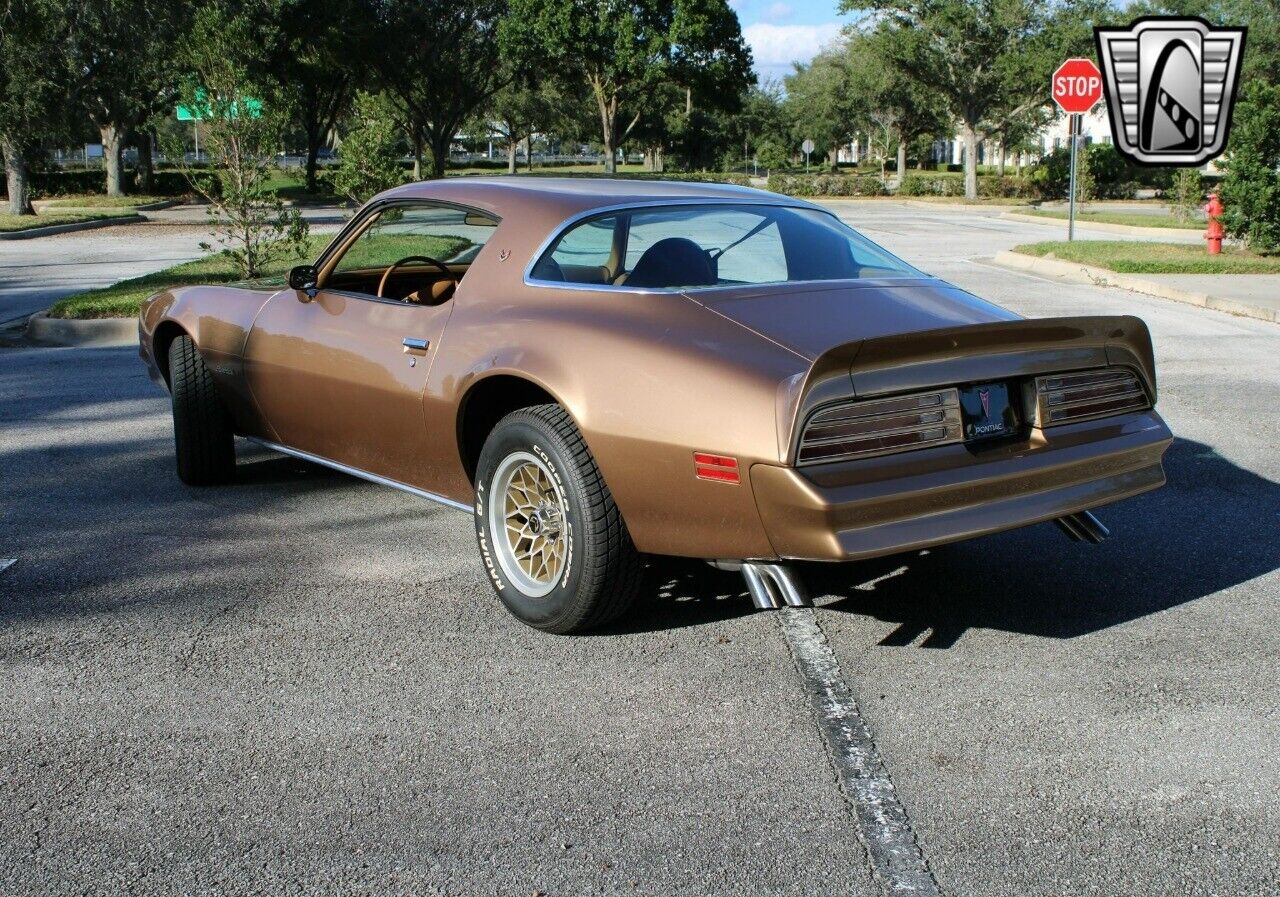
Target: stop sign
x,y
1076,85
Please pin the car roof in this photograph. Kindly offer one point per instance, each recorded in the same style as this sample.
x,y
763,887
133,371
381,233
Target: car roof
x,y
553,199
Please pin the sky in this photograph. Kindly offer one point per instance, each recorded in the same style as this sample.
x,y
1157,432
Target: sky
x,y
784,31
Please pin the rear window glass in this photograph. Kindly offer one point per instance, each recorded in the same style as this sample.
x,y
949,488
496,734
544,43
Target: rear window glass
x,y
715,245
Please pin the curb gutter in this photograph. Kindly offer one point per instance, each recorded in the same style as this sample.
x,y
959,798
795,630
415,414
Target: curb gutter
x,y
82,332
1172,234
1078,273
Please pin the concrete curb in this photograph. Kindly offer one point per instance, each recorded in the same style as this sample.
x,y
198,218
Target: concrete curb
x,y
43,206
1078,273
1173,234
919,203
87,332
71,227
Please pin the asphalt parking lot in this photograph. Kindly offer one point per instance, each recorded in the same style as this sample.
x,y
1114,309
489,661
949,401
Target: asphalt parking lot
x,y
302,683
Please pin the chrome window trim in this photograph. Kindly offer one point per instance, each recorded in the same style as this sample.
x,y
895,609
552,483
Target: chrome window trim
x,y
604,212
361,474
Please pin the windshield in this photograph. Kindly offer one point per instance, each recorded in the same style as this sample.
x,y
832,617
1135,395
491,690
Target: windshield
x,y
713,245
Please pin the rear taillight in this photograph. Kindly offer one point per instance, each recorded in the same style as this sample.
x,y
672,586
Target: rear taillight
x,y
881,426
1067,398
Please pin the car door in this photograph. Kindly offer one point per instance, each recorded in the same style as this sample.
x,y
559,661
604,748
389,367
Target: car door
x,y
341,375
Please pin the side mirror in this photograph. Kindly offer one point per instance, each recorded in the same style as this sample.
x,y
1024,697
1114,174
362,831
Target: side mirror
x,y
475,219
303,279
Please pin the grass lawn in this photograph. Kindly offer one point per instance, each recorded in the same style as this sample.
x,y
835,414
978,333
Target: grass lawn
x,y
13,223
99,201
123,299
1131,257
1135,219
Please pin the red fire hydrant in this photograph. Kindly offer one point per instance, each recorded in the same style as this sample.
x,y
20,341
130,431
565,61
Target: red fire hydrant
x,y
1213,208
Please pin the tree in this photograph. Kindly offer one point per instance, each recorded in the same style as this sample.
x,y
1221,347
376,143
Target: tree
x,y
822,103
370,151
763,120
440,62
1187,194
121,48
888,98
33,87
519,109
251,224
624,49
982,59
318,65
1251,189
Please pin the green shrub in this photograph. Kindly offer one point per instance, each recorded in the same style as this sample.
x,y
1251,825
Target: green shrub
x,y
826,185
1251,189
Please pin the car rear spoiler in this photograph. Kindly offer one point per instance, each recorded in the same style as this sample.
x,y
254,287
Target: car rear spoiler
x,y
974,353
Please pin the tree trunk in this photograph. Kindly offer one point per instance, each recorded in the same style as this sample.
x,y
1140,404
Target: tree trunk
x,y
112,144
440,152
970,135
313,154
528,152
902,158
833,159
15,170
146,164
658,164
511,154
1000,159
417,157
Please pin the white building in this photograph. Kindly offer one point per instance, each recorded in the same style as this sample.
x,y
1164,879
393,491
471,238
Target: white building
x,y
1095,128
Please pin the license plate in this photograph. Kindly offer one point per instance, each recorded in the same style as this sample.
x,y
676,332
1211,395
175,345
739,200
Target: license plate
x,y
986,412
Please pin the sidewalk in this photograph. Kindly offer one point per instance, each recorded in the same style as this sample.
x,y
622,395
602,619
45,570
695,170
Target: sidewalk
x,y
1248,295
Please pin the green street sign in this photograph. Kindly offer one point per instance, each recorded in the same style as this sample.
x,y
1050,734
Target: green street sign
x,y
199,110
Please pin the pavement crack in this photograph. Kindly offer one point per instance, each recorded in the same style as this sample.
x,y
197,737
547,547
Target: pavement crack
x,y
897,862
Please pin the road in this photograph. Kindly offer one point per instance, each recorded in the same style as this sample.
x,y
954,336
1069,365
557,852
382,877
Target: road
x,y
303,683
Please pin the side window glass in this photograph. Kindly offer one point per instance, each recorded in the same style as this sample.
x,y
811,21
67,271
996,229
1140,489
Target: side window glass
x,y
581,255
449,235
760,258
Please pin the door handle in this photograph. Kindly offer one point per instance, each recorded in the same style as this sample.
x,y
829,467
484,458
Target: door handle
x,y
415,345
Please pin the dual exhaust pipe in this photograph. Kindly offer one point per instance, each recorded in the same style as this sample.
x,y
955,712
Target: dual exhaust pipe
x,y
776,585
769,585
1083,527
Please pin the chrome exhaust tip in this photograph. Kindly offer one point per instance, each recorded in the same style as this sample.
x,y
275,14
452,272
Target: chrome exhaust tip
x,y
1083,527
773,586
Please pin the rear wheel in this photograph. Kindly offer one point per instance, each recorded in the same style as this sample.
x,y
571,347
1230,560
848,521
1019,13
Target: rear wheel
x,y
203,439
554,545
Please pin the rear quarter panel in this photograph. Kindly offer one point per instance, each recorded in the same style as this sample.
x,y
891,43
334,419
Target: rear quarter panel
x,y
649,379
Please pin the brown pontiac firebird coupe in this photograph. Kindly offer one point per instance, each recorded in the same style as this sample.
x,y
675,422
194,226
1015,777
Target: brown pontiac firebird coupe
x,y
600,368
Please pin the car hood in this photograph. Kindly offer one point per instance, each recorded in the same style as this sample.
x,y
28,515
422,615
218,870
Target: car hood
x,y
810,319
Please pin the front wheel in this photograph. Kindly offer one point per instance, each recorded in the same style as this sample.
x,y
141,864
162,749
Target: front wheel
x,y
203,438
554,545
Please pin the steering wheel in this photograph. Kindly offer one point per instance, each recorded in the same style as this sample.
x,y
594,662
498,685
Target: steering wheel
x,y
386,275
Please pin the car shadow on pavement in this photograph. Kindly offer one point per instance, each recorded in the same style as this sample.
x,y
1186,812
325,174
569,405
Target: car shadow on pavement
x,y
681,592
1213,526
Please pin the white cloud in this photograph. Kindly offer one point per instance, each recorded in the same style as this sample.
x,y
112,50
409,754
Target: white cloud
x,y
779,11
775,47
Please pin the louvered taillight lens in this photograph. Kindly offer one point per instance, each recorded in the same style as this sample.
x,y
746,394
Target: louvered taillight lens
x,y
1067,398
881,426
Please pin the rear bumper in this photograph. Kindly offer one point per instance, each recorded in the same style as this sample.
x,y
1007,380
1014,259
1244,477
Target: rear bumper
x,y
866,508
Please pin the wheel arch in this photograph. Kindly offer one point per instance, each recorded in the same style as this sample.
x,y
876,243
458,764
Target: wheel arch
x,y
490,399
166,332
